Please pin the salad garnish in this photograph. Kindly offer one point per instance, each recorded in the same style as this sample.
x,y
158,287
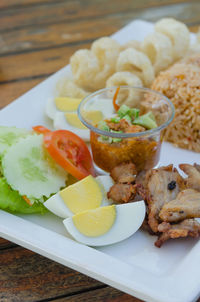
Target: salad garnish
x,y
69,151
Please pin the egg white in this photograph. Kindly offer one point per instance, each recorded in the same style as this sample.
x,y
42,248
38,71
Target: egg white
x,y
60,122
129,218
57,206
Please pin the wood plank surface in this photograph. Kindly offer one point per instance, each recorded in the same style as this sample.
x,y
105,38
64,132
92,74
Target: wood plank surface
x,y
5,244
13,4
26,276
75,11
37,38
56,35
30,65
11,91
106,294
4,4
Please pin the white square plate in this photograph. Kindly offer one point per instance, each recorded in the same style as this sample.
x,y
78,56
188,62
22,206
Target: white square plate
x,y
136,266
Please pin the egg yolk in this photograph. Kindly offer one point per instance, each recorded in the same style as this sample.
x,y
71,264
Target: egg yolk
x,y
96,222
83,195
94,116
72,119
67,104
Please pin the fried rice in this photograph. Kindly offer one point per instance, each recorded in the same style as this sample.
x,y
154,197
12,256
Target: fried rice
x,y
181,84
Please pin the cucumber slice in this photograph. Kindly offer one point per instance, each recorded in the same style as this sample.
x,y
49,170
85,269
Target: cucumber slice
x,y
9,135
28,169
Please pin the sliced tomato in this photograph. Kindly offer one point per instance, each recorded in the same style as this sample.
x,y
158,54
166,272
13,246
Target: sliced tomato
x,y
115,105
70,152
41,129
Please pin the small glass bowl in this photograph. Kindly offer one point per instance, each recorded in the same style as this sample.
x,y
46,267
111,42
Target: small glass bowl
x,y
141,148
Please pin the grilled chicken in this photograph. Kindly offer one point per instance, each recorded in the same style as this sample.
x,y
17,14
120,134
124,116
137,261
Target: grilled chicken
x,y
124,173
188,227
193,172
163,185
122,193
141,179
186,205
172,201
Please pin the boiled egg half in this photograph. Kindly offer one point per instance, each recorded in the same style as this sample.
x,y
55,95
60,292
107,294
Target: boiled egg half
x,y
70,121
88,193
61,104
63,112
106,225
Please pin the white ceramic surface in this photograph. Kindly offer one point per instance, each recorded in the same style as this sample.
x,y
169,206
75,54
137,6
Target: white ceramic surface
x,y
135,265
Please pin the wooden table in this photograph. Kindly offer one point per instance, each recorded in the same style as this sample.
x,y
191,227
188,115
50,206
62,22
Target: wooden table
x,y
37,37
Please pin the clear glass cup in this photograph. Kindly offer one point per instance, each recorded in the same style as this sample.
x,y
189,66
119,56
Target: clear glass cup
x,y
141,148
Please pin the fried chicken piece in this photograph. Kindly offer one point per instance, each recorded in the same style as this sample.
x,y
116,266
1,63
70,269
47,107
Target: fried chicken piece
x,y
188,227
186,205
193,172
141,178
163,185
124,173
122,193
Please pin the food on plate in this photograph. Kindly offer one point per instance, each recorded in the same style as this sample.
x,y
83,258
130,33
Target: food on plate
x,y
89,193
192,59
129,133
99,66
8,136
132,44
91,68
172,203
107,64
29,170
178,34
137,63
68,150
70,121
124,173
187,227
159,49
163,185
122,192
106,225
186,205
24,166
63,112
109,152
12,201
61,104
67,88
193,173
125,78
32,162
180,83
125,189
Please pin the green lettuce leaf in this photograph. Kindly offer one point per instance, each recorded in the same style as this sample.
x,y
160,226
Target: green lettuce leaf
x,y
11,201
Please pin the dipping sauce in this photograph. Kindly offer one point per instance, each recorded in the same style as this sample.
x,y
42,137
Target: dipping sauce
x,y
142,151
130,133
